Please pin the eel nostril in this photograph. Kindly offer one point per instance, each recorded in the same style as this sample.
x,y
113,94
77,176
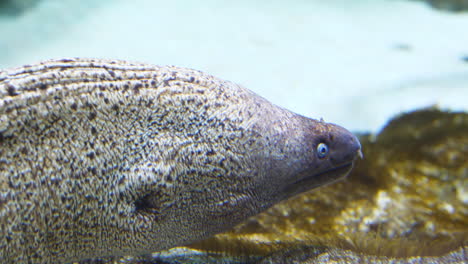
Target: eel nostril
x,y
359,154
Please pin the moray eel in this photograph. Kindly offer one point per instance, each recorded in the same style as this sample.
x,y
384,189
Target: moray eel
x,y
110,158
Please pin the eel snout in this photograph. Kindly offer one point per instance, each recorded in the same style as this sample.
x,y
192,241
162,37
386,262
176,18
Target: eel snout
x,y
328,153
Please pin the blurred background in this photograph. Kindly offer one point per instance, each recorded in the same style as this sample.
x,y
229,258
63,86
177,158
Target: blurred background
x,y
356,63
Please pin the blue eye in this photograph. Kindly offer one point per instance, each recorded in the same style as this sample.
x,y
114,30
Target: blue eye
x,y
322,150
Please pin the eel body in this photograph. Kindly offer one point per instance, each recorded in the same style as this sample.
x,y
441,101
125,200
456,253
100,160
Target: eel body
x,y
109,158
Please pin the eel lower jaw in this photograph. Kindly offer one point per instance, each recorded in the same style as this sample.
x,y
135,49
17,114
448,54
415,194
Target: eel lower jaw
x,y
319,179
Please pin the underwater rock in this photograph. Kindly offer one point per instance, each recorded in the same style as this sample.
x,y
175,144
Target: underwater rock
x,y
406,202
450,5
314,255
15,7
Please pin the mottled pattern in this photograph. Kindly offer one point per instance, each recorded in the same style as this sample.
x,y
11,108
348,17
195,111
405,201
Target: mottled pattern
x,y
406,201
108,158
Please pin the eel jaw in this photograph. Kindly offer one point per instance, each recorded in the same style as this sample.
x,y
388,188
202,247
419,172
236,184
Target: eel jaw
x,y
319,179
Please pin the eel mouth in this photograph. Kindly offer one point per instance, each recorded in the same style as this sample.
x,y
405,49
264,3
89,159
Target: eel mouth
x,y
319,179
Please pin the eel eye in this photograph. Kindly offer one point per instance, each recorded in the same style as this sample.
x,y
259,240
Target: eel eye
x,y
322,150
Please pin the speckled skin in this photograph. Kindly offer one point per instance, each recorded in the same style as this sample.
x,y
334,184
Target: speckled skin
x,y
108,158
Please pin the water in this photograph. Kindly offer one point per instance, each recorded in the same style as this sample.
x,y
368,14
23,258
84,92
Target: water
x,y
356,63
